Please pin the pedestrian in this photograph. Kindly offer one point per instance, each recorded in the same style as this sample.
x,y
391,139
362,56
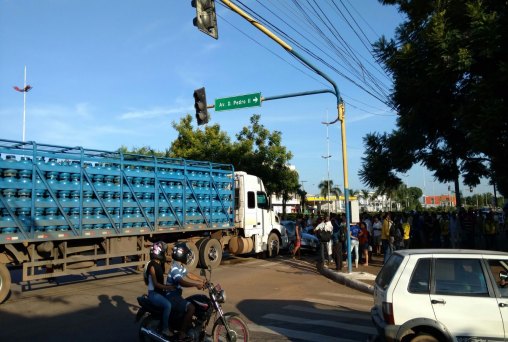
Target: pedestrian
x,y
376,235
363,239
406,228
298,238
385,237
490,231
354,233
324,232
338,239
454,230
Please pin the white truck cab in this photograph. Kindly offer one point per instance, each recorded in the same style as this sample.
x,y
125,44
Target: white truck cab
x,y
255,218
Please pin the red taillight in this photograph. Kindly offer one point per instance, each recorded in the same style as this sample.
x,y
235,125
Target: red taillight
x,y
388,313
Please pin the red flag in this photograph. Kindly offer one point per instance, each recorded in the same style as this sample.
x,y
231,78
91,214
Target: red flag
x,y
23,90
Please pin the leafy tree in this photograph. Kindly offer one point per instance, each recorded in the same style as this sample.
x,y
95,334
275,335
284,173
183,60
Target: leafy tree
x,y
210,144
260,152
449,64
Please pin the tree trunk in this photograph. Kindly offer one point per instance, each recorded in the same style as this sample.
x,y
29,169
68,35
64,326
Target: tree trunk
x,y
457,193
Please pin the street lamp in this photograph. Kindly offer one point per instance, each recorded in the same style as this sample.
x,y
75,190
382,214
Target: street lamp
x,y
327,157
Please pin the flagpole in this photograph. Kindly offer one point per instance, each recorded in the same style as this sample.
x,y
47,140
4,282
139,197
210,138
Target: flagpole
x,y
24,106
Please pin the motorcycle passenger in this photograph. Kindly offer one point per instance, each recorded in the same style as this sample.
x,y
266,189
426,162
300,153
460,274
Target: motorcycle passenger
x,y
179,277
155,281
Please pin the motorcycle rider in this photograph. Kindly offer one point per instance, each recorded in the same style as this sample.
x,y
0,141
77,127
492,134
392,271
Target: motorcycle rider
x,y
154,277
179,277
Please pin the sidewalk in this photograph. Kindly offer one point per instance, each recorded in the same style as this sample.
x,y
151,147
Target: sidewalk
x,y
361,278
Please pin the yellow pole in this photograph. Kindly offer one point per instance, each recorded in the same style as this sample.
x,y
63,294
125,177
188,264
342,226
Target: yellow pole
x,y
258,25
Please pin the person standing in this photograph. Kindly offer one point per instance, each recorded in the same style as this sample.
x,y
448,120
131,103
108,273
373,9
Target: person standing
x,y
385,237
354,233
490,231
298,238
363,239
376,235
324,232
406,228
454,230
338,238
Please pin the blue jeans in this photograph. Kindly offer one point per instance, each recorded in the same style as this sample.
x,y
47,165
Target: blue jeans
x,y
161,301
387,250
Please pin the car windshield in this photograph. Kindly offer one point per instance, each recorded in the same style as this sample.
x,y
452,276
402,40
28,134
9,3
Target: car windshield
x,y
386,274
290,227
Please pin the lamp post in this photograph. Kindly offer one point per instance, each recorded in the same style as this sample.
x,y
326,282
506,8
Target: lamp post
x,y
327,157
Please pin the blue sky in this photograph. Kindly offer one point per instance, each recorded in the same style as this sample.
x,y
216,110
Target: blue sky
x,y
119,72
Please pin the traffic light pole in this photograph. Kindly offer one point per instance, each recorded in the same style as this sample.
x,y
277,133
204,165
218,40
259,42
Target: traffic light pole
x,y
340,111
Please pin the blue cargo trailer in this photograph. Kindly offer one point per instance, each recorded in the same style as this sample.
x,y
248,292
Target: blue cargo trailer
x,y
68,209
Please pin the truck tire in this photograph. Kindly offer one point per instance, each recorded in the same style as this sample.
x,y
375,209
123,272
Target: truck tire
x,y
194,260
5,282
272,245
210,253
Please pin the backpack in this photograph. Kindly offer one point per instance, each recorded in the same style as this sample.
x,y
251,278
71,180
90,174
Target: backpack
x,y
145,273
342,234
324,235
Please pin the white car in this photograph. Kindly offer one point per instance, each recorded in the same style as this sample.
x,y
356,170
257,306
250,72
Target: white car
x,y
442,295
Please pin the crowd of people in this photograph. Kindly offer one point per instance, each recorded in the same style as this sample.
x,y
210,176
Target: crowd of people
x,y
382,233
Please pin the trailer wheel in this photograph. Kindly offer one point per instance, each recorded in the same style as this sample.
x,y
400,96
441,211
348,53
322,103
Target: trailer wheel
x,y
272,245
194,259
5,282
210,253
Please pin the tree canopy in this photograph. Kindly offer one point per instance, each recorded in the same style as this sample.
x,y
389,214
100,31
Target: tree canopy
x,y
449,63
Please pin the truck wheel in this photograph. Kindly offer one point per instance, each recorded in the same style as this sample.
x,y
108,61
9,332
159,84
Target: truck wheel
x,y
5,282
272,245
424,338
194,259
210,253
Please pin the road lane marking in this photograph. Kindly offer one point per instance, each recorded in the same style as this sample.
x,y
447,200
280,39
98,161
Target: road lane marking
x,y
335,303
364,329
344,295
337,312
296,334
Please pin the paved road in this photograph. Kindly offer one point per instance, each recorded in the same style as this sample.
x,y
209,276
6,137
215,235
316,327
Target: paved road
x,y
281,299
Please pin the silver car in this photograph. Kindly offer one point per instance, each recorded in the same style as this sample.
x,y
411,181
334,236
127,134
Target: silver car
x,y
309,241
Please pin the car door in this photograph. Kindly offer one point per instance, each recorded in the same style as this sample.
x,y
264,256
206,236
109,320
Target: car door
x,y
462,302
497,266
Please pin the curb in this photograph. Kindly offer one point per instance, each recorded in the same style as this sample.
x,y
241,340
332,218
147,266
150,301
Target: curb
x,y
345,279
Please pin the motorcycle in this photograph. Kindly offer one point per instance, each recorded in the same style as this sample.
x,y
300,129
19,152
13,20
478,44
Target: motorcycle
x,y
226,327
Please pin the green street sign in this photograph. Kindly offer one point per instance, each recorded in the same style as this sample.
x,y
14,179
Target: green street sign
x,y
238,102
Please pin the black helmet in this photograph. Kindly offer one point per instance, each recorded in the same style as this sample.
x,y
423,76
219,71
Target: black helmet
x,y
158,251
181,252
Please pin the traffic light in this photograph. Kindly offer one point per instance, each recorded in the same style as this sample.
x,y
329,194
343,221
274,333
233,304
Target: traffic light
x,y
200,104
206,19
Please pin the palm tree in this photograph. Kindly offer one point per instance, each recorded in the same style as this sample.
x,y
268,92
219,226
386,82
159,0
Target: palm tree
x,y
327,188
354,193
366,196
